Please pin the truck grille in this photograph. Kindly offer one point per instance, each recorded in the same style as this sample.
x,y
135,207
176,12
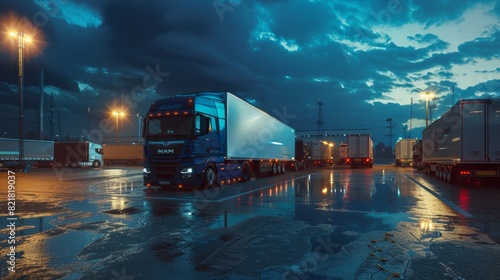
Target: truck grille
x,y
166,171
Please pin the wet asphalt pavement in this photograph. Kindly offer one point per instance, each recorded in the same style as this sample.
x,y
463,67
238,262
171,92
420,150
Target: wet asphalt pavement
x,y
322,223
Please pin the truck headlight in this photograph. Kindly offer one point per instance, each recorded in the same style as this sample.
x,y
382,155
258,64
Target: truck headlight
x,y
146,170
187,172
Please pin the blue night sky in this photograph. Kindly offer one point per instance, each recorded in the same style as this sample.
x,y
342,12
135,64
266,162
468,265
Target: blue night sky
x,y
365,60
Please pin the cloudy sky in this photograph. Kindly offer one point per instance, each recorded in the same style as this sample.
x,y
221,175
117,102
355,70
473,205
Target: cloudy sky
x,y
367,61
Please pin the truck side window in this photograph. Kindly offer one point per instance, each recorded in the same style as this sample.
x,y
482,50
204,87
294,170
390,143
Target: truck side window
x,y
154,126
202,124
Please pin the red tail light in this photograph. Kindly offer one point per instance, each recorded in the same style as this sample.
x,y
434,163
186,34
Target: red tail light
x,y
464,172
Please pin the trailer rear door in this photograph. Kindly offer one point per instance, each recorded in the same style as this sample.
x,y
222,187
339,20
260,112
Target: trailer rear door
x,y
494,131
473,131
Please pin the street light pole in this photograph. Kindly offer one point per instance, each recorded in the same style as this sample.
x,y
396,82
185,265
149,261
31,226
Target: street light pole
x,y
426,109
139,118
20,36
116,113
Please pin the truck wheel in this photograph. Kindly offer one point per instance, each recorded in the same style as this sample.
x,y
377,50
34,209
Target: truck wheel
x,y
245,172
110,162
210,178
96,163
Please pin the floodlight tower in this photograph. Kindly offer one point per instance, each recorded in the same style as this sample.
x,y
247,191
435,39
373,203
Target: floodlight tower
x,y
321,123
390,132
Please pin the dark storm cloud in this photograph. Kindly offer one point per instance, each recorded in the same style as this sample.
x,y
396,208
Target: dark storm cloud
x,y
303,22
440,11
486,47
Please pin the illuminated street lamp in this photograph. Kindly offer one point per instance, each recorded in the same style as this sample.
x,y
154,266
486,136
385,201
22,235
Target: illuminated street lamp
x,y
21,38
428,96
117,114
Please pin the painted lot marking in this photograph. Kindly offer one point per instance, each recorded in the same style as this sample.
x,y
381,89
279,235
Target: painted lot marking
x,y
448,203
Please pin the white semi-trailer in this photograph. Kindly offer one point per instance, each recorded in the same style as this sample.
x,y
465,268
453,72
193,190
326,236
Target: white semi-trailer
x,y
464,142
39,153
212,138
360,150
403,151
123,153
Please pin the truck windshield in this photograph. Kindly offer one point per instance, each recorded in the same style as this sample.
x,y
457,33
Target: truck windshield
x,y
174,127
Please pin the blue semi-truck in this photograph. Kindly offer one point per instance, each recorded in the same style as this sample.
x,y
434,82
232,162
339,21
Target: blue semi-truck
x,y
209,139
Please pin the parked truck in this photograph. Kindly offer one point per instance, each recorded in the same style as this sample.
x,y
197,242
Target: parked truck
x,y
403,151
299,161
360,150
417,155
123,153
320,153
343,155
78,153
38,153
211,138
464,142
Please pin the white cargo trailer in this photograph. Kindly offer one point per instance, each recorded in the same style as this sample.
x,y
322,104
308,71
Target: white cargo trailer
x,y
123,153
464,142
360,150
212,138
403,151
39,153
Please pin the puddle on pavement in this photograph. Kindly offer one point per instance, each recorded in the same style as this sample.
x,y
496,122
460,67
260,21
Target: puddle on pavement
x,y
62,250
355,206
30,226
331,243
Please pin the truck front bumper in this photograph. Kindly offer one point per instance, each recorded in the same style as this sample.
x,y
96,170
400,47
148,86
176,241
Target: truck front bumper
x,y
171,174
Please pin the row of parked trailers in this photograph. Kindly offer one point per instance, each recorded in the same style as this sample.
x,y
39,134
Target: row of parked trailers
x,y
42,153
464,143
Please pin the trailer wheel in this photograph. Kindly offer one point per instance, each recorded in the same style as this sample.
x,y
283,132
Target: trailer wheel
x,y
447,175
74,164
130,162
245,171
282,164
210,179
28,165
96,163
275,169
